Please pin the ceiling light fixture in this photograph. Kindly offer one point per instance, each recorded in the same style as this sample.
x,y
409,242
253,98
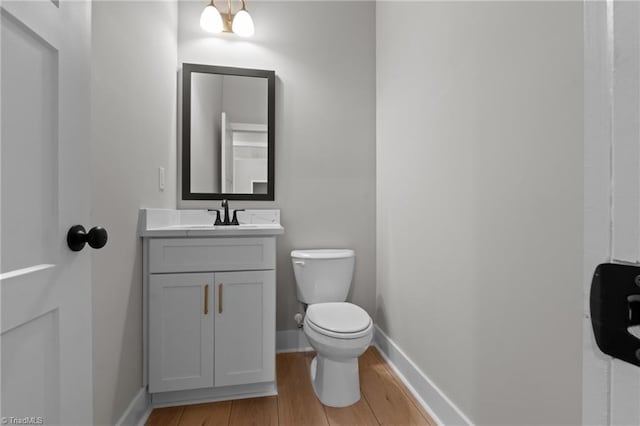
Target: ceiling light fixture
x,y
240,23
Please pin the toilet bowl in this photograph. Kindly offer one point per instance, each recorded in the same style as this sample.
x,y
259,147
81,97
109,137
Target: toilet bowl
x,y
339,333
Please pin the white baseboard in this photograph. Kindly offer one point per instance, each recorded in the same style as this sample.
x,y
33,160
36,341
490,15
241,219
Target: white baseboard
x,y
439,406
292,341
138,410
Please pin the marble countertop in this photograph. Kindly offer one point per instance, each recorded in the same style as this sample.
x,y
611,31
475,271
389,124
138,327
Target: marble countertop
x,y
199,223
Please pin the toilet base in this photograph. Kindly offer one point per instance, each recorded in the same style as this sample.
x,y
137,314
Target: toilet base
x,y
336,383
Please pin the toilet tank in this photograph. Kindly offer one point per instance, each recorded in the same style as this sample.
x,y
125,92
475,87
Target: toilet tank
x,y
323,275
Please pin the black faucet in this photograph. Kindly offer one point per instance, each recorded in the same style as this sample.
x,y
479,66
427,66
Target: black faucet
x,y
225,204
226,220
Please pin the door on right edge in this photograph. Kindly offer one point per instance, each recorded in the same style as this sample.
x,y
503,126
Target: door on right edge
x,y
611,387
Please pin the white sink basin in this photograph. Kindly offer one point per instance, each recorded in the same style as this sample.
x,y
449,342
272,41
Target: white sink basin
x,y
223,227
192,227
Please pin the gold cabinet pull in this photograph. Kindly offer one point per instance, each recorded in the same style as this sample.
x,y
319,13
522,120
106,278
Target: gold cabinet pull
x,y
220,299
206,299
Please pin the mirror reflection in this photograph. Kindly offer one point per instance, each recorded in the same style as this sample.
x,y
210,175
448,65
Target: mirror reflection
x,y
228,134
228,138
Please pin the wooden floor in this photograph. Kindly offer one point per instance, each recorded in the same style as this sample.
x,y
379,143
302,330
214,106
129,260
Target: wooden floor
x,y
385,401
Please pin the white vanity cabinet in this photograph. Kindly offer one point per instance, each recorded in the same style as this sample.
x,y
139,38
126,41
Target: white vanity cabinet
x,y
209,313
211,329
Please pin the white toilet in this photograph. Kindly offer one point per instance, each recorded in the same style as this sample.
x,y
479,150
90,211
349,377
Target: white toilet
x,y
338,331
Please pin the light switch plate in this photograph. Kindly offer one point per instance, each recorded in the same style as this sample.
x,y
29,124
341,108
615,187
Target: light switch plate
x,y
161,178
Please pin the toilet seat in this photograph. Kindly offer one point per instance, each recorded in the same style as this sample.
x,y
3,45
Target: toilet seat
x,y
341,320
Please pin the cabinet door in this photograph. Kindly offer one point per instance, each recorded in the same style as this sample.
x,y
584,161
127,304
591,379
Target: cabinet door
x,y
244,327
180,331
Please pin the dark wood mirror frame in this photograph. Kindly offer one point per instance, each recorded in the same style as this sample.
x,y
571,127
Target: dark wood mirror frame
x,y
187,70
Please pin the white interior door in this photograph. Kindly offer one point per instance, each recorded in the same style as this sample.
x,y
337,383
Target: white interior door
x,y
45,288
611,388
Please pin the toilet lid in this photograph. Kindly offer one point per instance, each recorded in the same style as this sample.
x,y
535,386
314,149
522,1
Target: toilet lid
x,y
340,317
322,254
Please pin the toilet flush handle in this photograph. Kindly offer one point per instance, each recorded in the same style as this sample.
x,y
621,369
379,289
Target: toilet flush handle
x,y
299,262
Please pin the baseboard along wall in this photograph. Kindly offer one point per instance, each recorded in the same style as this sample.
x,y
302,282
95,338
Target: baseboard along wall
x,y
138,410
439,406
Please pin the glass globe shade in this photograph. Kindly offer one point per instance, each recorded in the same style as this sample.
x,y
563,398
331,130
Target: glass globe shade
x,y
243,24
210,20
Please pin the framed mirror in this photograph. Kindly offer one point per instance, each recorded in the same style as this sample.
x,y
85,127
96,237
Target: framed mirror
x,y
228,128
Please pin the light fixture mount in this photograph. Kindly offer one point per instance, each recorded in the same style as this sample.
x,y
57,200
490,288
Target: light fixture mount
x,y
227,22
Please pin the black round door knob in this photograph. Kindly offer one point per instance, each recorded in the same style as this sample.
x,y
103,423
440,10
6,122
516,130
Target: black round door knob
x,y
77,237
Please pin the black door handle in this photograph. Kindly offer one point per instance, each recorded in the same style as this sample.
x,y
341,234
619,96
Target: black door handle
x,y
77,237
615,306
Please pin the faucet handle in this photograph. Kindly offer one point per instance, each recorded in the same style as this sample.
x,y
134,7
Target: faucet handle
x,y
218,222
234,221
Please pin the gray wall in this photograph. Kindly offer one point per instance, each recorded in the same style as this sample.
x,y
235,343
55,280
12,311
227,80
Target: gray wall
x,y
479,202
245,99
324,57
133,133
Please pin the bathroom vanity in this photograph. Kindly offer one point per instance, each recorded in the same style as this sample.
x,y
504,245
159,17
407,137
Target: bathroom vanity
x,y
209,305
